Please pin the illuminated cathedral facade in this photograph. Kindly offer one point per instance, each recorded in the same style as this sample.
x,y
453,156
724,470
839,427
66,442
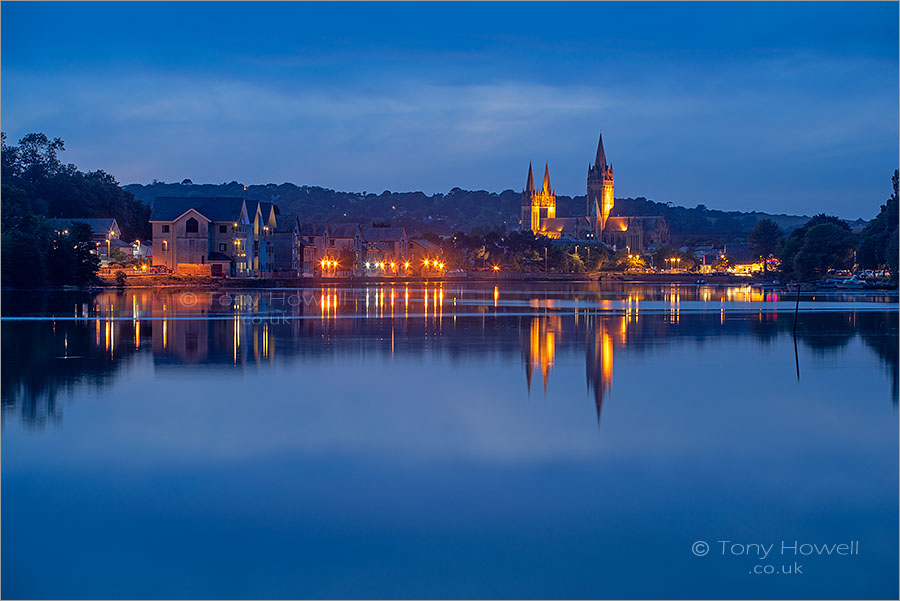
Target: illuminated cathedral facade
x,y
634,233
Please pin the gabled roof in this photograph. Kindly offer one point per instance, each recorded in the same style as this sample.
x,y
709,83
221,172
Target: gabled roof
x,y
214,208
561,224
286,223
265,208
383,234
312,229
342,230
98,225
426,244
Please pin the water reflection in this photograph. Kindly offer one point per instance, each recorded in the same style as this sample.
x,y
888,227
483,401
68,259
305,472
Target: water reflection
x,y
54,342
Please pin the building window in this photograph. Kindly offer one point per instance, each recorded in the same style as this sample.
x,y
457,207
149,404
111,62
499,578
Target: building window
x,y
165,243
223,229
165,229
191,226
222,248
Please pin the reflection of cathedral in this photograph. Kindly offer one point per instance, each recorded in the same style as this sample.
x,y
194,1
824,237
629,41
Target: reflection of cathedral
x,y
538,346
636,234
539,350
598,359
217,329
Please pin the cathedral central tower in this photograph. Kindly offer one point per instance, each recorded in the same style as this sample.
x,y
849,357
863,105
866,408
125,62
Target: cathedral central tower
x,y
600,199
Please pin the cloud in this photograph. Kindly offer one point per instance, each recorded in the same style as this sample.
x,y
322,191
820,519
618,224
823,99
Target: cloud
x,y
673,134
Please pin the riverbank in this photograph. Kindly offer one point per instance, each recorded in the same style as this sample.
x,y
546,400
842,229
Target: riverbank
x,y
189,281
663,279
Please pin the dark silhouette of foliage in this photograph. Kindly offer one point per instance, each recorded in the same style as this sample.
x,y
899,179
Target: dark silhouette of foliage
x,y
825,246
877,241
57,190
815,261
764,239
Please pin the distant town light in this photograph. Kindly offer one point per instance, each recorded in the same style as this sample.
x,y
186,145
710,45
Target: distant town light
x,y
496,268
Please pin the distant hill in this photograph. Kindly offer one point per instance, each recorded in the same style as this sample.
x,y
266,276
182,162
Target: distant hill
x,y
460,210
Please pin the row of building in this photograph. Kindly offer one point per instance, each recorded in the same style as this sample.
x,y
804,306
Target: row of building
x,y
234,237
231,236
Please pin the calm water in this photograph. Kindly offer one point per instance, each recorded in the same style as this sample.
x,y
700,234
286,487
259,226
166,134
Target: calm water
x,y
564,440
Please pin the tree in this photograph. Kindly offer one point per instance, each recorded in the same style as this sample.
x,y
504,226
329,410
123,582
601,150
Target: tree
x,y
57,190
37,157
764,239
70,261
825,246
892,253
791,246
874,240
36,185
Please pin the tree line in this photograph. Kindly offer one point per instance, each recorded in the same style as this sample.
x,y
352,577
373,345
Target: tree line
x,y
826,242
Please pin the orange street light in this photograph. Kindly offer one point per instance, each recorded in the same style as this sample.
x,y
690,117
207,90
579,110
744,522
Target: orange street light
x,y
496,268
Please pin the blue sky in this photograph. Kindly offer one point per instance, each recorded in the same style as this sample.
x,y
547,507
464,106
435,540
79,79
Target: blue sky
x,y
783,107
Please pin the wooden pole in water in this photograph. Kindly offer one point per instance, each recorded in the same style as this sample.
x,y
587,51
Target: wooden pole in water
x,y
796,311
796,308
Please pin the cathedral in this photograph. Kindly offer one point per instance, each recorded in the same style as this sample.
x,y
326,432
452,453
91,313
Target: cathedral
x,y
636,234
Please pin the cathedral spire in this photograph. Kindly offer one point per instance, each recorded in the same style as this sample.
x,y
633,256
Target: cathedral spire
x,y
546,178
600,161
529,185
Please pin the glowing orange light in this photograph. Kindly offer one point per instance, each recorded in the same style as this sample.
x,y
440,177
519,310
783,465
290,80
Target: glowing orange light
x,y
496,268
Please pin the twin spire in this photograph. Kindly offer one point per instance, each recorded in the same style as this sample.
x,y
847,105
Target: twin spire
x,y
529,185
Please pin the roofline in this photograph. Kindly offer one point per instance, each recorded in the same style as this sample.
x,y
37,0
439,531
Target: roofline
x,y
182,215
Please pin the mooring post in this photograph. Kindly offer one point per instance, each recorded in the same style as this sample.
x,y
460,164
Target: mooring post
x,y
796,308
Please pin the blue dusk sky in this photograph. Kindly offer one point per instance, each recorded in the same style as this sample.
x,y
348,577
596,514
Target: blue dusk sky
x,y
780,107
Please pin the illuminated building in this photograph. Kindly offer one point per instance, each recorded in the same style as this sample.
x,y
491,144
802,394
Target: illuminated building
x,y
203,235
635,233
537,205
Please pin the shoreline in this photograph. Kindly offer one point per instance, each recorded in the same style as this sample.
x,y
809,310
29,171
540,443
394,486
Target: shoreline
x,y
170,281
